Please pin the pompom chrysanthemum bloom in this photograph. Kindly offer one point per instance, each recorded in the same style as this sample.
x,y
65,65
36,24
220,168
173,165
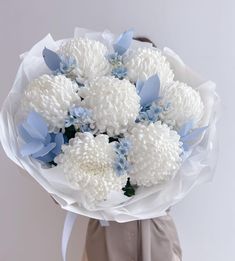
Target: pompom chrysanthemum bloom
x,y
88,164
155,153
145,62
114,103
185,104
90,57
51,96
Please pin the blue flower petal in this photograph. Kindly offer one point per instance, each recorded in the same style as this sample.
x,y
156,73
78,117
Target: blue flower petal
x,y
51,59
52,134
31,148
45,150
33,132
150,90
123,42
47,158
24,134
39,143
186,128
192,137
186,147
59,140
139,86
48,139
38,123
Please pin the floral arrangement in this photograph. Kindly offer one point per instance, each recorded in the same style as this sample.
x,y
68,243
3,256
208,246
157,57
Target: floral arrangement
x,y
111,127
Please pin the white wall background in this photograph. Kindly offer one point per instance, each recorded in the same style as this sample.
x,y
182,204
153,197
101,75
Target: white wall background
x,y
202,32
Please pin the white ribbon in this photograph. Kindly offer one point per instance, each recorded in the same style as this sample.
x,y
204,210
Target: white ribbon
x,y
68,226
104,223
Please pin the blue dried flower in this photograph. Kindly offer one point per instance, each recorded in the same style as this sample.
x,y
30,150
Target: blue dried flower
x,y
81,113
121,164
67,64
115,59
188,135
120,46
119,72
150,113
85,128
58,64
39,144
79,116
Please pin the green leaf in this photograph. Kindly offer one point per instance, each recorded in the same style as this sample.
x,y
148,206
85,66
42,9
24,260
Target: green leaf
x,y
129,189
70,132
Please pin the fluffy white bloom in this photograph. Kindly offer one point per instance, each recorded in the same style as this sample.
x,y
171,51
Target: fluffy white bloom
x,y
114,104
90,56
185,104
51,96
154,154
145,62
88,164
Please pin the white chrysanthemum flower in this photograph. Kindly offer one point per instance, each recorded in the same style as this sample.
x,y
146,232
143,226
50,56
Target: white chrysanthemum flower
x,y
114,103
90,56
185,104
155,153
88,165
145,62
51,96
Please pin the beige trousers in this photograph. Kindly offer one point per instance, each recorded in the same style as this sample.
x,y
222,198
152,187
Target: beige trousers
x,y
145,240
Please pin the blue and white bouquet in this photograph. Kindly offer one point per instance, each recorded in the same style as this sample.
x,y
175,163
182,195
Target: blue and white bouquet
x,y
111,127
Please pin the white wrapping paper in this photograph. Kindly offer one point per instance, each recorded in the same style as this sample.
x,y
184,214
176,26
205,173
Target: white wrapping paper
x,y
151,202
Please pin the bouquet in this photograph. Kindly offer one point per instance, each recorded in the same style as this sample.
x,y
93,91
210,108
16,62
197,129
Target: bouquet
x,y
112,128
